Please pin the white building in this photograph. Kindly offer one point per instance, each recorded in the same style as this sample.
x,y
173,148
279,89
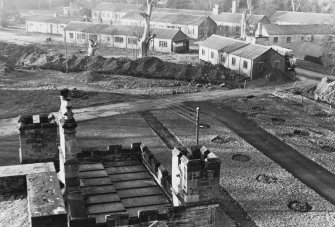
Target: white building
x,y
165,40
246,59
49,24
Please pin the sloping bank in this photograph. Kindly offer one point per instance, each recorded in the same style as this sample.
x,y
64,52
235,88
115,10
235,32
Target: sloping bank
x,y
149,67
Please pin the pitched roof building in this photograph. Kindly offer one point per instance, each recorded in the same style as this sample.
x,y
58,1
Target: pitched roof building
x,y
246,59
49,24
165,40
194,26
286,35
295,18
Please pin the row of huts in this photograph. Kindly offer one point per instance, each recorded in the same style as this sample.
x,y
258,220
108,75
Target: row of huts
x,y
165,40
245,58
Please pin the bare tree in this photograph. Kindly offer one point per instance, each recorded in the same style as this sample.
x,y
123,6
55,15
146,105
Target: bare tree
x,y
296,5
146,37
250,6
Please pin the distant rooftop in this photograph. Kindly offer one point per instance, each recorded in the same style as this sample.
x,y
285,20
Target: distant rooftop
x,y
163,17
174,34
237,18
116,7
274,29
221,43
53,19
251,51
288,17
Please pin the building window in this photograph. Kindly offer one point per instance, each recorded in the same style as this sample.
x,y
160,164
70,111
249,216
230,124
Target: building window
x,y
233,61
275,39
212,54
238,28
277,64
260,66
31,24
203,52
61,27
78,35
83,36
108,39
302,38
94,37
245,64
226,27
118,39
162,44
71,35
223,58
191,30
289,40
132,40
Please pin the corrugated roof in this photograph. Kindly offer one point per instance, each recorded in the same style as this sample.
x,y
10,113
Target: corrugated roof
x,y
168,18
223,44
174,34
289,17
116,7
251,51
274,29
53,19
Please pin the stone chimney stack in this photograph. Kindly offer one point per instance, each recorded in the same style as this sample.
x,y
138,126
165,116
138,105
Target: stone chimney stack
x,y
67,134
216,9
234,6
259,30
195,176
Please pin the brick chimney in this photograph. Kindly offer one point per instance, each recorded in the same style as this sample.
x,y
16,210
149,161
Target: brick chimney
x,y
195,176
234,6
216,9
67,134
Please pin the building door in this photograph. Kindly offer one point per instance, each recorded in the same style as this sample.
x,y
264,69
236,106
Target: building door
x,y
51,28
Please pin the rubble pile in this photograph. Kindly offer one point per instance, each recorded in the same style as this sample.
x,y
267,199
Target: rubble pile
x,y
325,91
148,67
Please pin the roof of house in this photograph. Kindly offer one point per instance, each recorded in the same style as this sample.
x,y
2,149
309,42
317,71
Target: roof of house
x,y
116,7
223,44
275,29
236,18
251,51
302,18
53,19
174,34
170,18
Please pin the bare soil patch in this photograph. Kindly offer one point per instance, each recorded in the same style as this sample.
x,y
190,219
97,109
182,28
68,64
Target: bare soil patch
x,y
240,158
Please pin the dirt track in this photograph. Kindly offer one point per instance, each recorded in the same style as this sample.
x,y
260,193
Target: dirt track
x,y
313,175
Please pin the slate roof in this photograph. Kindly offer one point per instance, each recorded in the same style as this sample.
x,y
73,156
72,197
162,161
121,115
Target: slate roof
x,y
302,18
53,19
173,34
116,7
119,186
162,17
274,29
251,51
223,44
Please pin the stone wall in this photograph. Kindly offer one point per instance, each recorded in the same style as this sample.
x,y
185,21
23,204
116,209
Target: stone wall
x,y
38,139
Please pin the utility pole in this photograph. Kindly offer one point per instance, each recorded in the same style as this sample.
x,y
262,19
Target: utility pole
x,y
66,63
197,127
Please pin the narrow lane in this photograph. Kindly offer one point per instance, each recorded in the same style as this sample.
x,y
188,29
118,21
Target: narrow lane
x,y
313,175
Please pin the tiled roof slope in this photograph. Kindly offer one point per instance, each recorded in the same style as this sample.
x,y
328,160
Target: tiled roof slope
x,y
289,17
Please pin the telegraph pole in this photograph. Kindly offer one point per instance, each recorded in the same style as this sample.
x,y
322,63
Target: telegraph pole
x,y
66,63
197,127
